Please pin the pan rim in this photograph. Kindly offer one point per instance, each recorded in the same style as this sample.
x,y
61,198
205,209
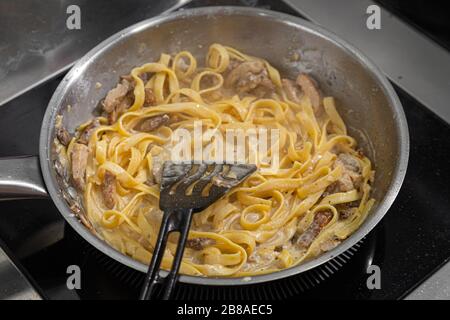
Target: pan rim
x,y
375,216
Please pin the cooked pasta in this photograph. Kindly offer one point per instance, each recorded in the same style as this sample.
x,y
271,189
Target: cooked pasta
x,y
318,195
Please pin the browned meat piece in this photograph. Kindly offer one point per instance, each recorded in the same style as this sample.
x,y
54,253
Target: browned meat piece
x,y
153,123
346,210
85,135
119,109
345,183
119,99
293,92
112,116
233,64
351,176
80,154
321,219
63,136
199,243
150,99
352,168
349,162
109,189
250,76
309,87
347,213
116,95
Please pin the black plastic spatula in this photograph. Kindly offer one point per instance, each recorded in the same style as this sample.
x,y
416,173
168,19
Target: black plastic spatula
x,y
187,188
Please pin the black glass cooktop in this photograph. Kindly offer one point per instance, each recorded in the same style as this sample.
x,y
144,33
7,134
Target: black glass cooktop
x,y
410,243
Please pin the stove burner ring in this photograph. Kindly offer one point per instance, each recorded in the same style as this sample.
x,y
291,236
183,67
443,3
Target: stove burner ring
x,y
275,290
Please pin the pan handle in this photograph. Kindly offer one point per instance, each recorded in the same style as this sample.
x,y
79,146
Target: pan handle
x,y
20,178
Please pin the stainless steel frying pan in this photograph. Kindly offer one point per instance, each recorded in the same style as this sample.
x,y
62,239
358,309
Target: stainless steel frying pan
x,y
365,98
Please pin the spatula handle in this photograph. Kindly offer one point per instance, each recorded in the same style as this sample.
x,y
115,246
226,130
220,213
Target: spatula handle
x,y
176,220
